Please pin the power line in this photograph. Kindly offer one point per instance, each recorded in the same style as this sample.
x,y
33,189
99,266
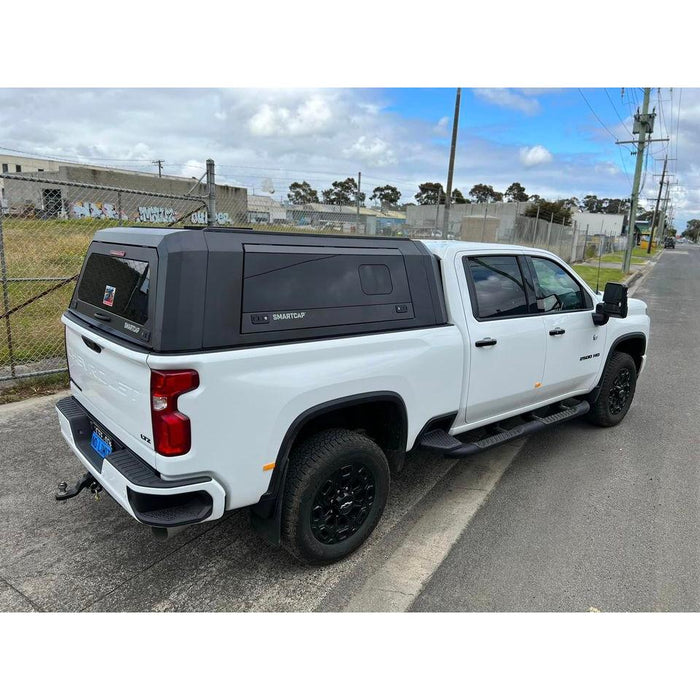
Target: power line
x,y
595,115
622,121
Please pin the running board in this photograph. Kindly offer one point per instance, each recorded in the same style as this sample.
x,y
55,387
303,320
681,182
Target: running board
x,y
449,446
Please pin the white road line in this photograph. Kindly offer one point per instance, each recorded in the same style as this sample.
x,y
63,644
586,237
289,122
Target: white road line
x,y
399,581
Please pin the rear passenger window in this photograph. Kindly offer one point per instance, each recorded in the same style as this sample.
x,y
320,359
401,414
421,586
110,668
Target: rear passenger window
x,y
498,286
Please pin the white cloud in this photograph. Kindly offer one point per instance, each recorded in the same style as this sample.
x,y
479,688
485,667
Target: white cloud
x,y
311,116
534,155
373,151
510,99
441,127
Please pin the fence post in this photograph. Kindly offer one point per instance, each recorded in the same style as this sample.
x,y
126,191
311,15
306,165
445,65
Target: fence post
x,y
6,299
572,259
483,226
119,207
211,194
585,244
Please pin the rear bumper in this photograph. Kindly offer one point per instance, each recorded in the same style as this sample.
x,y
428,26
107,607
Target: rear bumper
x,y
137,487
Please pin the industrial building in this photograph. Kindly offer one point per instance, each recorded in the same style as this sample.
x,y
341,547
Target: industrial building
x,y
53,195
50,194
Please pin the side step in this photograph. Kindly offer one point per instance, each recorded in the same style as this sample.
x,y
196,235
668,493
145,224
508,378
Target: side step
x,y
449,446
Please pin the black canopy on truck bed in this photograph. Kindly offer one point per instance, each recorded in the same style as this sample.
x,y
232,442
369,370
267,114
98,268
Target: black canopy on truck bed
x,y
186,290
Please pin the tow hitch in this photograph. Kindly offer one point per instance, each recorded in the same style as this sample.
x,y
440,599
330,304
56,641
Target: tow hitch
x,y
86,481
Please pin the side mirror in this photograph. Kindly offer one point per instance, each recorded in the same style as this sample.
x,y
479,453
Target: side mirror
x,y
615,300
600,318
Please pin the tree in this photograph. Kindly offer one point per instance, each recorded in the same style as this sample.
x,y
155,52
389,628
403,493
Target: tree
x,y
544,209
515,193
388,196
430,193
692,230
342,192
458,197
302,193
485,193
572,203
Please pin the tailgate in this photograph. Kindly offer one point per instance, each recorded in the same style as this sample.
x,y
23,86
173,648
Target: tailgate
x,y
113,384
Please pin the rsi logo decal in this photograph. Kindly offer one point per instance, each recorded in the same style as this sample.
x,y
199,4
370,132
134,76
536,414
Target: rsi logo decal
x,y
588,357
131,327
288,316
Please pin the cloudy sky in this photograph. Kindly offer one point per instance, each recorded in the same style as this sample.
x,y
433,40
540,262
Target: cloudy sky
x,y
557,142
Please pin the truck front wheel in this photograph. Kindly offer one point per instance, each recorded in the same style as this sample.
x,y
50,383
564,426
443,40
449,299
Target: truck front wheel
x,y
616,391
335,493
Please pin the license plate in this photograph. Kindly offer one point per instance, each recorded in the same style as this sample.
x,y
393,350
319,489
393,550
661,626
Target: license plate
x,y
100,443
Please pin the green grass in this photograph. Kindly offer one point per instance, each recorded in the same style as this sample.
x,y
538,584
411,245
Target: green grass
x,y
590,274
33,386
639,256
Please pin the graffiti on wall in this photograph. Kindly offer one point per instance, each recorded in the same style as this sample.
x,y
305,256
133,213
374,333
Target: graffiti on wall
x,y
156,215
96,210
223,218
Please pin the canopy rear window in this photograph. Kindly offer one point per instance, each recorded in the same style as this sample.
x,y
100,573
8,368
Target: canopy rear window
x,y
118,285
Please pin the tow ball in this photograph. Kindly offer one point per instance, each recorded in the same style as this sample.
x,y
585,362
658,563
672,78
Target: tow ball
x,y
86,481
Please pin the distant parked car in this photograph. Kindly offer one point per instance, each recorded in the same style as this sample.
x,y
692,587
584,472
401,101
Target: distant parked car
x,y
669,242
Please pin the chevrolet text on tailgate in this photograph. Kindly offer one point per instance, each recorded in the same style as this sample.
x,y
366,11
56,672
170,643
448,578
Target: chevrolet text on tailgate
x,y
214,369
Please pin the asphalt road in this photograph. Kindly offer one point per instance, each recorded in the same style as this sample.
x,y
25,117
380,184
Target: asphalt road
x,y
604,518
581,517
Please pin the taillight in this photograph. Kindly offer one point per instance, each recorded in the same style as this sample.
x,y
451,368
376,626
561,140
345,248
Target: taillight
x,y
171,429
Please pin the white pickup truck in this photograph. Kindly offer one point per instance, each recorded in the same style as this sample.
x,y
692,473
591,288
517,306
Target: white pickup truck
x,y
214,369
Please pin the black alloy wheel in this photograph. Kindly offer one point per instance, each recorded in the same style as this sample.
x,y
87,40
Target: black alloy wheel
x,y
342,503
335,492
620,391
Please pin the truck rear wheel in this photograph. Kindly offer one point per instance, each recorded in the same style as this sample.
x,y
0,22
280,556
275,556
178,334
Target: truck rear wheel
x,y
616,391
335,493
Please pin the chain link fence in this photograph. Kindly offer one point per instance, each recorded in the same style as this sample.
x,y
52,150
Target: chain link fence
x,y
46,225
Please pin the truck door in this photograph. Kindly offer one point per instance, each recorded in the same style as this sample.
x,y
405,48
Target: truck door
x,y
574,344
507,341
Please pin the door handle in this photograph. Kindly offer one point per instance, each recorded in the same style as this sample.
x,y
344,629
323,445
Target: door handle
x,y
485,342
557,331
102,317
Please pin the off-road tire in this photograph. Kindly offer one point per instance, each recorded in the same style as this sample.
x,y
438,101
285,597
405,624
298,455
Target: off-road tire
x,y
312,465
606,410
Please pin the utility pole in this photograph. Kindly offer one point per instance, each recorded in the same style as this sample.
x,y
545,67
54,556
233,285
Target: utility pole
x,y
159,163
211,193
450,170
643,125
357,203
656,208
663,214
